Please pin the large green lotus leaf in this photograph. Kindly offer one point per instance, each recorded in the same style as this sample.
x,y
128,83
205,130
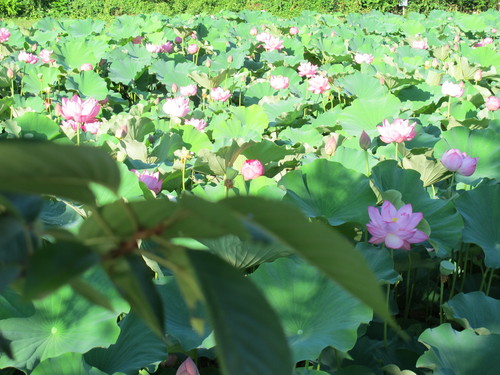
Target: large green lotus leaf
x,y
365,114
125,27
481,143
479,209
245,254
415,97
79,28
463,110
380,262
89,84
125,71
67,363
354,159
73,53
474,310
483,56
266,151
168,73
37,167
431,171
459,353
328,189
362,86
39,78
38,125
292,287
263,187
445,222
306,134
257,91
284,112
245,122
242,319
194,139
63,322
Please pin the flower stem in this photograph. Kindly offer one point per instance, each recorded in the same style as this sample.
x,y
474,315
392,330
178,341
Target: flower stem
x,y
396,152
78,134
247,187
441,292
387,301
408,294
367,164
449,106
465,269
183,171
489,282
483,279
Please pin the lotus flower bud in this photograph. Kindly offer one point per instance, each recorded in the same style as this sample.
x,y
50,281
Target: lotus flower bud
x,y
230,59
435,63
456,39
34,47
293,30
331,144
208,63
187,367
192,49
478,75
492,103
175,88
252,169
364,141
178,40
10,73
254,31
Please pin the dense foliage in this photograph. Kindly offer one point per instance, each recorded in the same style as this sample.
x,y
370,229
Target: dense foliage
x,y
110,8
265,196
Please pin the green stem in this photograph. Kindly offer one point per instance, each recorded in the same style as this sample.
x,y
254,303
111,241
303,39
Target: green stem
x,y
183,171
433,191
247,187
459,261
407,292
489,282
449,106
78,134
450,187
367,162
385,321
483,279
396,152
465,269
306,364
441,292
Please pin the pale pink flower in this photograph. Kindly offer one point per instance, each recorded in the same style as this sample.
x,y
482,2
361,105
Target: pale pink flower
x,y
178,40
199,124
193,35
86,67
4,35
137,40
492,103
452,89
293,30
92,127
306,69
28,58
279,82
152,180
456,161
252,169
419,44
478,75
331,144
395,228
153,48
187,367
45,56
192,49
493,31
167,47
263,37
363,58
398,131
189,90
220,94
273,43
254,31
70,124
78,110
176,107
484,42
122,131
318,84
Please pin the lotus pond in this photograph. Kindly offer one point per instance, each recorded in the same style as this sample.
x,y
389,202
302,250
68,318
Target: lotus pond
x,y
242,194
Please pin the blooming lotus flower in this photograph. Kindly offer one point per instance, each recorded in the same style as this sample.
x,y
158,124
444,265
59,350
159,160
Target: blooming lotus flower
x,y
220,94
45,56
279,82
452,89
192,49
456,161
363,58
263,37
293,30
153,48
398,131
167,47
395,228
252,169
484,42
492,103
80,111
306,69
273,43
318,84
28,58
176,107
4,35
419,44
187,367
85,67
151,179
137,40
70,124
92,127
189,90
199,124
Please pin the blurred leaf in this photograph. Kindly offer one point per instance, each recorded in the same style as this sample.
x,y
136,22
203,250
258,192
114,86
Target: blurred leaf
x,y
38,125
67,363
380,262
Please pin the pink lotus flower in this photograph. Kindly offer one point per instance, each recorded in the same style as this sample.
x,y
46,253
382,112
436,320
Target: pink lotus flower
x,y
80,111
176,107
92,127
478,75
456,161
398,131
263,37
28,58
484,42
306,69
192,49
318,84
178,40
189,90
273,43
137,40
187,367
252,169
293,30
167,47
254,31
153,48
219,94
419,44
45,56
396,228
4,35
492,103
331,144
151,179
199,124
279,82
86,67
70,124
452,89
363,58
